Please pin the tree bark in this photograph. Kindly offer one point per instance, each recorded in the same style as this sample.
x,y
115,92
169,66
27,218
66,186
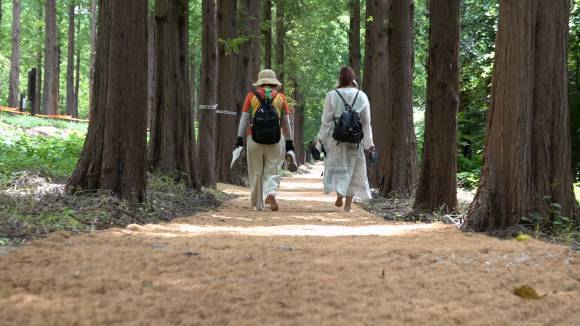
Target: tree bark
x,y
437,189
151,70
299,124
375,77
280,41
399,154
208,94
354,53
228,101
93,35
70,90
193,102
267,32
551,150
75,112
51,66
14,88
170,148
114,154
38,95
250,26
527,155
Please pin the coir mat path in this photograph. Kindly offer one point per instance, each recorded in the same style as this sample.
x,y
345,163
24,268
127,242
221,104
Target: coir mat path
x,y
308,264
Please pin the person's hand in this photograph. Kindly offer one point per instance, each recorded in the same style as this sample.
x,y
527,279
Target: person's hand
x,y
239,142
289,146
372,148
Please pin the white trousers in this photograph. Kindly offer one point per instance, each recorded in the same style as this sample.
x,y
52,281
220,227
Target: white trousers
x,y
264,165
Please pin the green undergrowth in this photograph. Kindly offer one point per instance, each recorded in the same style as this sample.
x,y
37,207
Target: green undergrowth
x,y
552,227
32,207
28,122
51,157
34,168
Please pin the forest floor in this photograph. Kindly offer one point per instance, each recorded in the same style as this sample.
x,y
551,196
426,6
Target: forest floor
x,y
308,264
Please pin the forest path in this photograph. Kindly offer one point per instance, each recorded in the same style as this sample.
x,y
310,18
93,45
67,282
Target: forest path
x,y
308,264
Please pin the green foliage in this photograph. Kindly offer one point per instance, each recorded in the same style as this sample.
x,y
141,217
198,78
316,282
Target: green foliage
x,y
317,47
479,24
563,228
53,157
421,39
232,46
27,122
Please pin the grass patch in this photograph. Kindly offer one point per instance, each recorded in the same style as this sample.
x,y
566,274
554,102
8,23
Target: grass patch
x,y
52,157
33,203
33,207
28,122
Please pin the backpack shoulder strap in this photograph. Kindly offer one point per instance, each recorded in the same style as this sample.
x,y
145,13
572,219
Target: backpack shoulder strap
x,y
340,95
355,98
259,97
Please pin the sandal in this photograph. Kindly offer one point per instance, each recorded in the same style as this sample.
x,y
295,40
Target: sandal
x,y
271,200
338,202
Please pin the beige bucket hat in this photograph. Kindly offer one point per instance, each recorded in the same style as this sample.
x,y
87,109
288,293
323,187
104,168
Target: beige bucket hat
x,y
267,77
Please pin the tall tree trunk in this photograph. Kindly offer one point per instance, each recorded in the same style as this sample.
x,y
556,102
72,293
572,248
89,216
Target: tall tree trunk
x,y
250,27
14,89
399,154
51,66
299,124
114,154
170,149
151,70
375,77
93,35
193,102
75,112
208,96
70,66
437,187
551,150
229,93
280,40
267,31
193,81
354,53
527,154
39,50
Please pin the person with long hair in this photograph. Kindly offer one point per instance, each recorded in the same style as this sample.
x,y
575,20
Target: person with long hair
x,y
345,171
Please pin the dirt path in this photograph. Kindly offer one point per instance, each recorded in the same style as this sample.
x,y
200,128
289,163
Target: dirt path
x,y
308,264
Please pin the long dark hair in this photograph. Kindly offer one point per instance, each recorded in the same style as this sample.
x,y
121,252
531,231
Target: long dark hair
x,y
347,77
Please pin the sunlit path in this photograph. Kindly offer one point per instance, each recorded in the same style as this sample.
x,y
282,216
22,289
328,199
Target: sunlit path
x,y
308,264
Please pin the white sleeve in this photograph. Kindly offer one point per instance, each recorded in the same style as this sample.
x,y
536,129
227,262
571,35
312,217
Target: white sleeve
x,y
365,117
287,127
327,120
244,124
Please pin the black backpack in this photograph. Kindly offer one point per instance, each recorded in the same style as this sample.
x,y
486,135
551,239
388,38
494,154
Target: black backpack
x,y
349,128
266,123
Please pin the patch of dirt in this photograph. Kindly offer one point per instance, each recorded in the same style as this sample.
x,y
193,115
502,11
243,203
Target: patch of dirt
x,y
174,275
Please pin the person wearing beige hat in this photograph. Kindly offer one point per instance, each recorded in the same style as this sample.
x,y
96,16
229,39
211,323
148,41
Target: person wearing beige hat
x,y
266,122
